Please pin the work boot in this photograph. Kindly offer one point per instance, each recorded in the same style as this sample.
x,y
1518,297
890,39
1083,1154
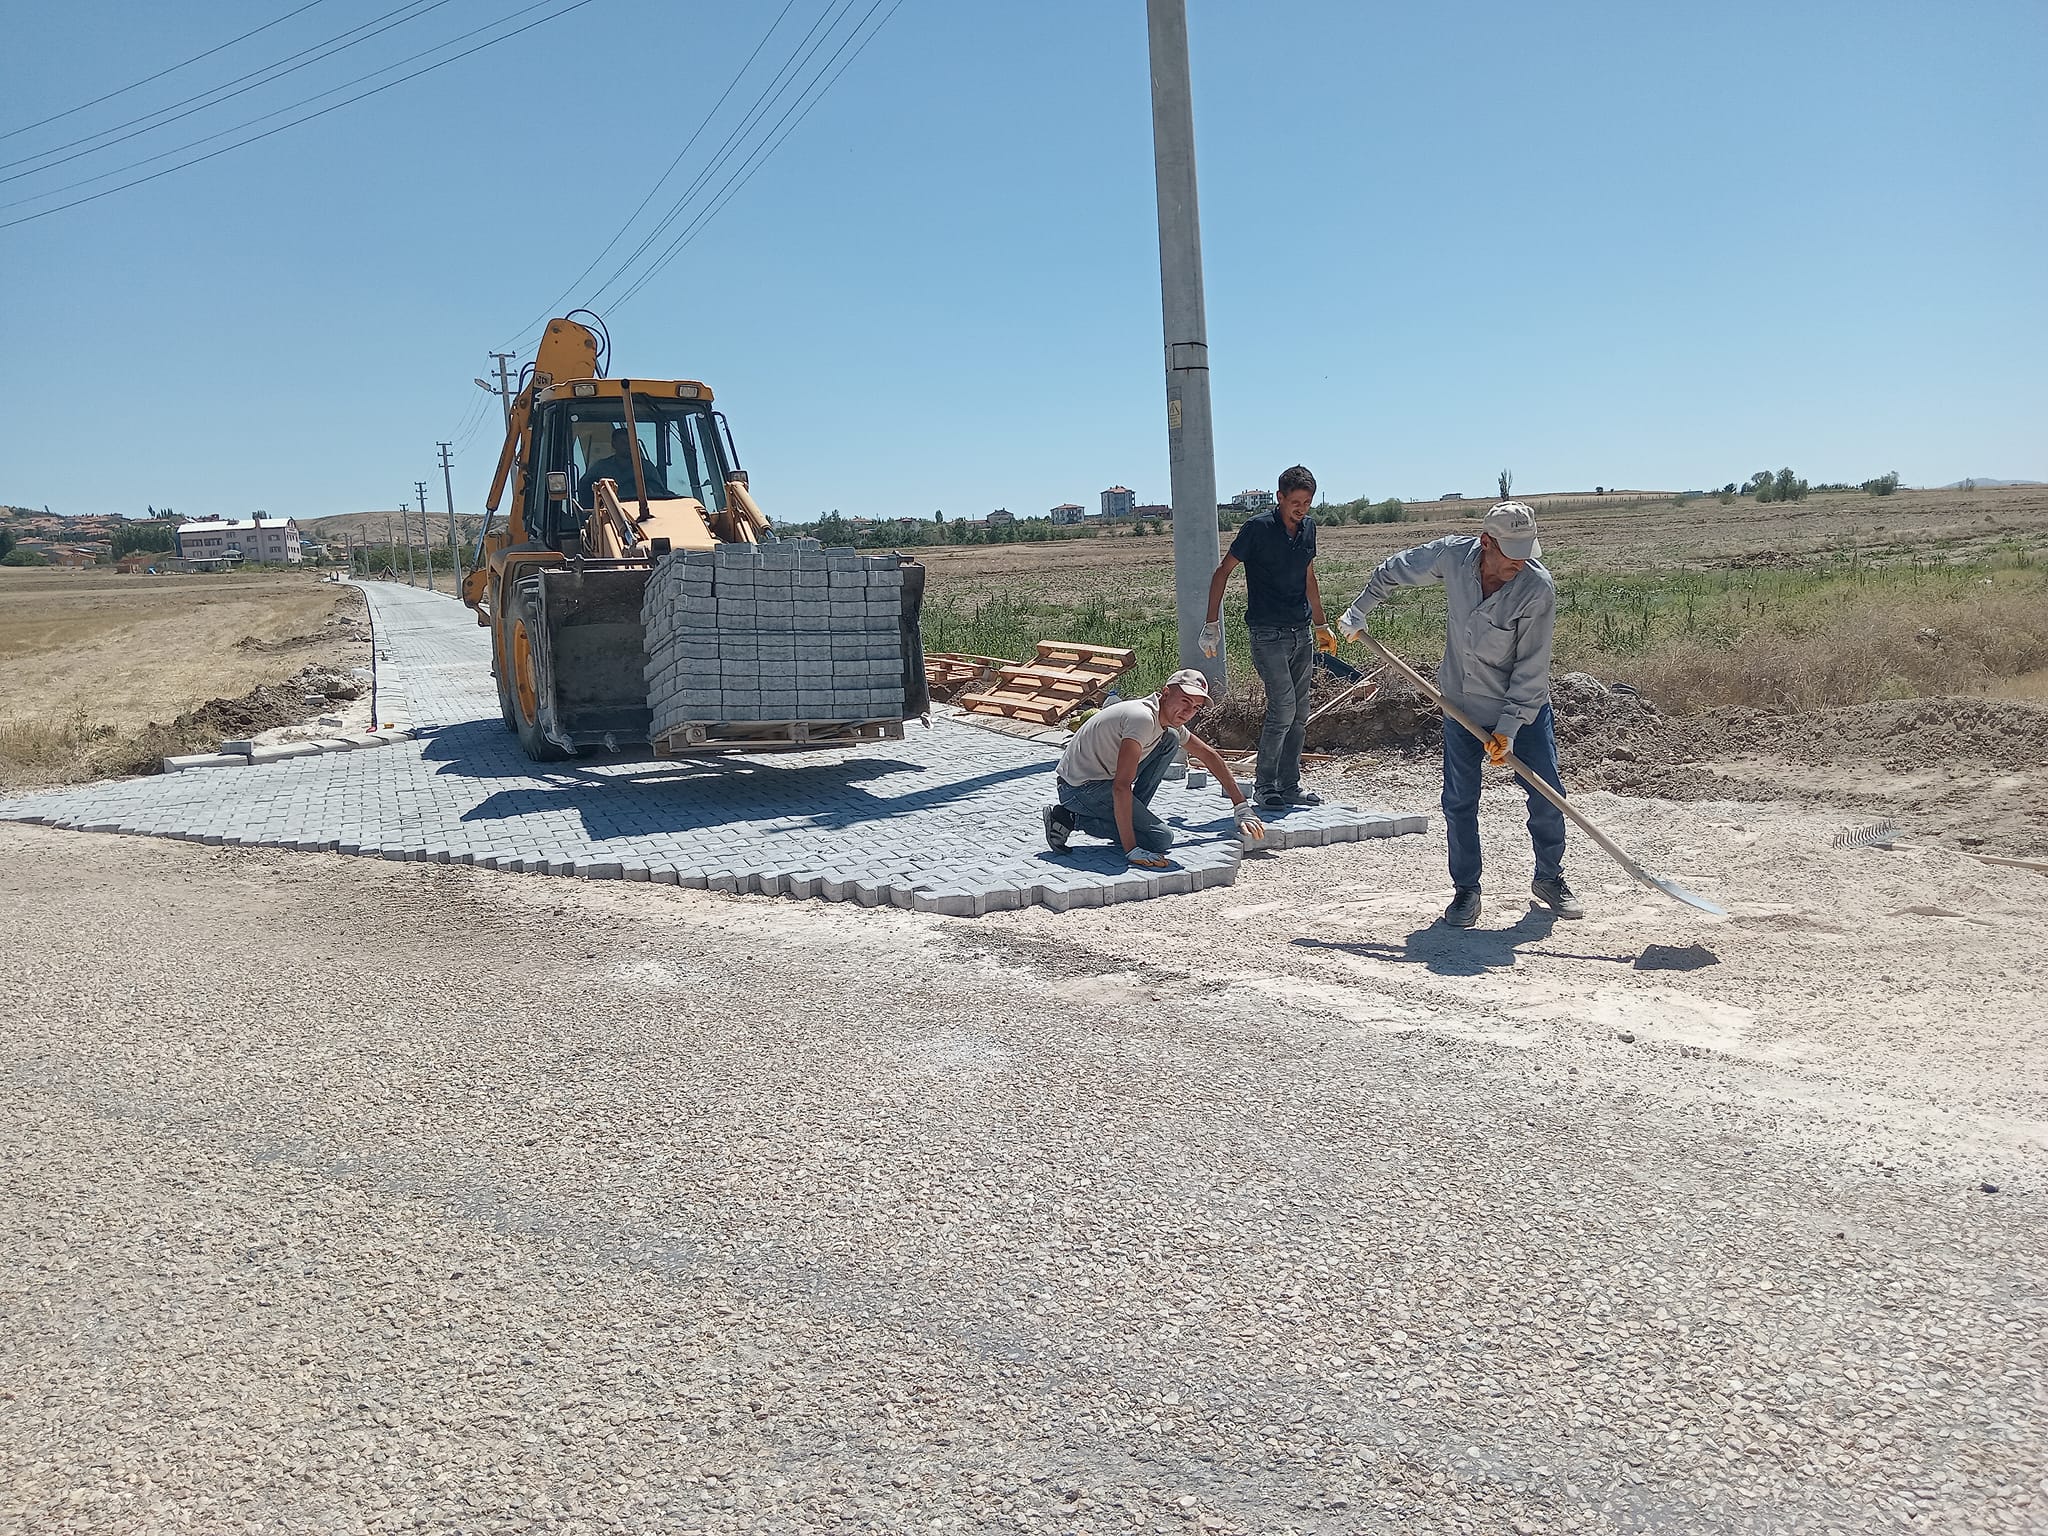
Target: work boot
x,y
1463,912
1556,895
1059,826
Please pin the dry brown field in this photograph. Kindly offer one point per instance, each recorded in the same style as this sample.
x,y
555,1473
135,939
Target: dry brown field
x,y
88,656
1628,532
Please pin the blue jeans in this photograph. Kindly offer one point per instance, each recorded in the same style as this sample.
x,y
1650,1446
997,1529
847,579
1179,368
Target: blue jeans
x,y
1464,758
1094,803
1285,660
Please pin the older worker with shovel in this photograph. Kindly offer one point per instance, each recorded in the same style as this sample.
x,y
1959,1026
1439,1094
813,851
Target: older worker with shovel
x,y
1502,611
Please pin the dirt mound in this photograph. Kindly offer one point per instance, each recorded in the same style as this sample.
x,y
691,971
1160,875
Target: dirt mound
x,y
1398,720
1900,735
298,698
1590,714
1971,772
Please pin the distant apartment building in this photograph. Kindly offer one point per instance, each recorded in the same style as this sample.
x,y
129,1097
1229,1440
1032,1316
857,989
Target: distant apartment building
x,y
1254,501
1118,501
1002,517
258,541
1068,512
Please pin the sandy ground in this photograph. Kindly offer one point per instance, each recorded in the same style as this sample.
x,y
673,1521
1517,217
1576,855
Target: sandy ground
x,y
342,1195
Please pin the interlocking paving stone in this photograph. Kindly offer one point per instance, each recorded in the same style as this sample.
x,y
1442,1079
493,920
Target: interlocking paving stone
x,y
945,820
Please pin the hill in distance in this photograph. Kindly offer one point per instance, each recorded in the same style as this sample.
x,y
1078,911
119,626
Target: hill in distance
x,y
1986,483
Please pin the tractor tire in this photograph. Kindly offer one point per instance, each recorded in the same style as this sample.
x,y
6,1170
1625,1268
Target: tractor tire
x,y
520,641
508,712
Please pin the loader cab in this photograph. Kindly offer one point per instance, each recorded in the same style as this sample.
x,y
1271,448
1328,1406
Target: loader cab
x,y
682,445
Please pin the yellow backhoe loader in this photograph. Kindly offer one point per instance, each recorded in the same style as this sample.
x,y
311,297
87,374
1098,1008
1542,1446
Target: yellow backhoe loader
x,y
606,476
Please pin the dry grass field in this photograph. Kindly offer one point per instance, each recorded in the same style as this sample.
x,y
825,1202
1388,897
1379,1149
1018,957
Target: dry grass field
x,y
1811,603
1886,656
1628,533
90,659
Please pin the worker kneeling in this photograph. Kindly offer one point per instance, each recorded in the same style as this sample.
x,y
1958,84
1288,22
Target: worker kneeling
x,y
1116,763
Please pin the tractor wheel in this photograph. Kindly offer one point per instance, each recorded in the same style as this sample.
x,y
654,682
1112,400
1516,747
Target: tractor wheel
x,y
522,642
506,709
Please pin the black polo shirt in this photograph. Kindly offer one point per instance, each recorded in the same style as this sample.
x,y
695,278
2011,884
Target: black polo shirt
x,y
1275,570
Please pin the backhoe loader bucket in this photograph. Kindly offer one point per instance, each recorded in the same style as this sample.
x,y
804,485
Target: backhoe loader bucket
x,y
591,670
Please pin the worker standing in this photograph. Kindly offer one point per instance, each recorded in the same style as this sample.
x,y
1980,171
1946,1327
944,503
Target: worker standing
x,y
1501,615
1278,552
1116,762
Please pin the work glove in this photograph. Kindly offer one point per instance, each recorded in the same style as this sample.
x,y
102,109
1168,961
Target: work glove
x,y
1326,640
1145,858
1212,637
1498,746
1352,625
1249,827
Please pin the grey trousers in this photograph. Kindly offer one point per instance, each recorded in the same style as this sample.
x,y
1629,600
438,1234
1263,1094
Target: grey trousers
x,y
1284,659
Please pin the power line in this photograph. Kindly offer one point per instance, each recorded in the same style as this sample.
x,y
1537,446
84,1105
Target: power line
x,y
166,70
220,93
470,417
792,69
576,5
305,101
798,56
549,312
747,171
770,94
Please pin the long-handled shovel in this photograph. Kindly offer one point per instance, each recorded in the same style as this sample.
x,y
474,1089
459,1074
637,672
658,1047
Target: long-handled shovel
x,y
1529,775
1367,684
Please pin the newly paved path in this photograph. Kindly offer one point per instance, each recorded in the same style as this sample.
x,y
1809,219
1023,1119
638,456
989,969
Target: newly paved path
x,y
946,820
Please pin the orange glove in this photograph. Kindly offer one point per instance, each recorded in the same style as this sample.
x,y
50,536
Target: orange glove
x,y
1326,640
1497,749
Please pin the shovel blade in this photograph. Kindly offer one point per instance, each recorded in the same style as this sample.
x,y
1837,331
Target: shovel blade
x,y
1678,892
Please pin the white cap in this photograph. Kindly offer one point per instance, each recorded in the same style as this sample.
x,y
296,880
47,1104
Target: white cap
x,y
1188,680
1513,526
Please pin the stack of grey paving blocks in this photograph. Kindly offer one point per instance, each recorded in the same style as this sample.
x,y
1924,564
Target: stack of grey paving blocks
x,y
774,633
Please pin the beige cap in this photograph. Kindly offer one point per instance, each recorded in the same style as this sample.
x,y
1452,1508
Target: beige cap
x,y
1188,680
1513,526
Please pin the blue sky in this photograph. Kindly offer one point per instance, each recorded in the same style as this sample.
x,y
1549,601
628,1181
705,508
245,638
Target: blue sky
x,y
1614,244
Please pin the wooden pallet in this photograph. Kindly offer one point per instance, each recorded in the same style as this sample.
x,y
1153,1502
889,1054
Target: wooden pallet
x,y
948,672
695,738
1058,680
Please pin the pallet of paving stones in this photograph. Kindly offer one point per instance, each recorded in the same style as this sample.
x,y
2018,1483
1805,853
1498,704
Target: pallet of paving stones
x,y
778,642
691,737
1058,680
948,672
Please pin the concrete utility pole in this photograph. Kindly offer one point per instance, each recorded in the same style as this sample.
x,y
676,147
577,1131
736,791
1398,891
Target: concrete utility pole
x,y
448,486
505,390
1190,435
405,522
426,534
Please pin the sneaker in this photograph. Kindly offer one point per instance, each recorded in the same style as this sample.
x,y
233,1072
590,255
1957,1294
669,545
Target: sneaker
x,y
1059,826
1463,911
1557,896
1300,796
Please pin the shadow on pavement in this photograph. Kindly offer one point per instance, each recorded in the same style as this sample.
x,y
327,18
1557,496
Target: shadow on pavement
x,y
1467,951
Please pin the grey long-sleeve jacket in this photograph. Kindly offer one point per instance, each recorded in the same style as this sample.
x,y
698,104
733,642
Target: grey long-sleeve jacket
x,y
1497,665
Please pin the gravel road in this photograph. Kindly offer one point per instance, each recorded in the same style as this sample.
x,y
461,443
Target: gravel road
x,y
338,1195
